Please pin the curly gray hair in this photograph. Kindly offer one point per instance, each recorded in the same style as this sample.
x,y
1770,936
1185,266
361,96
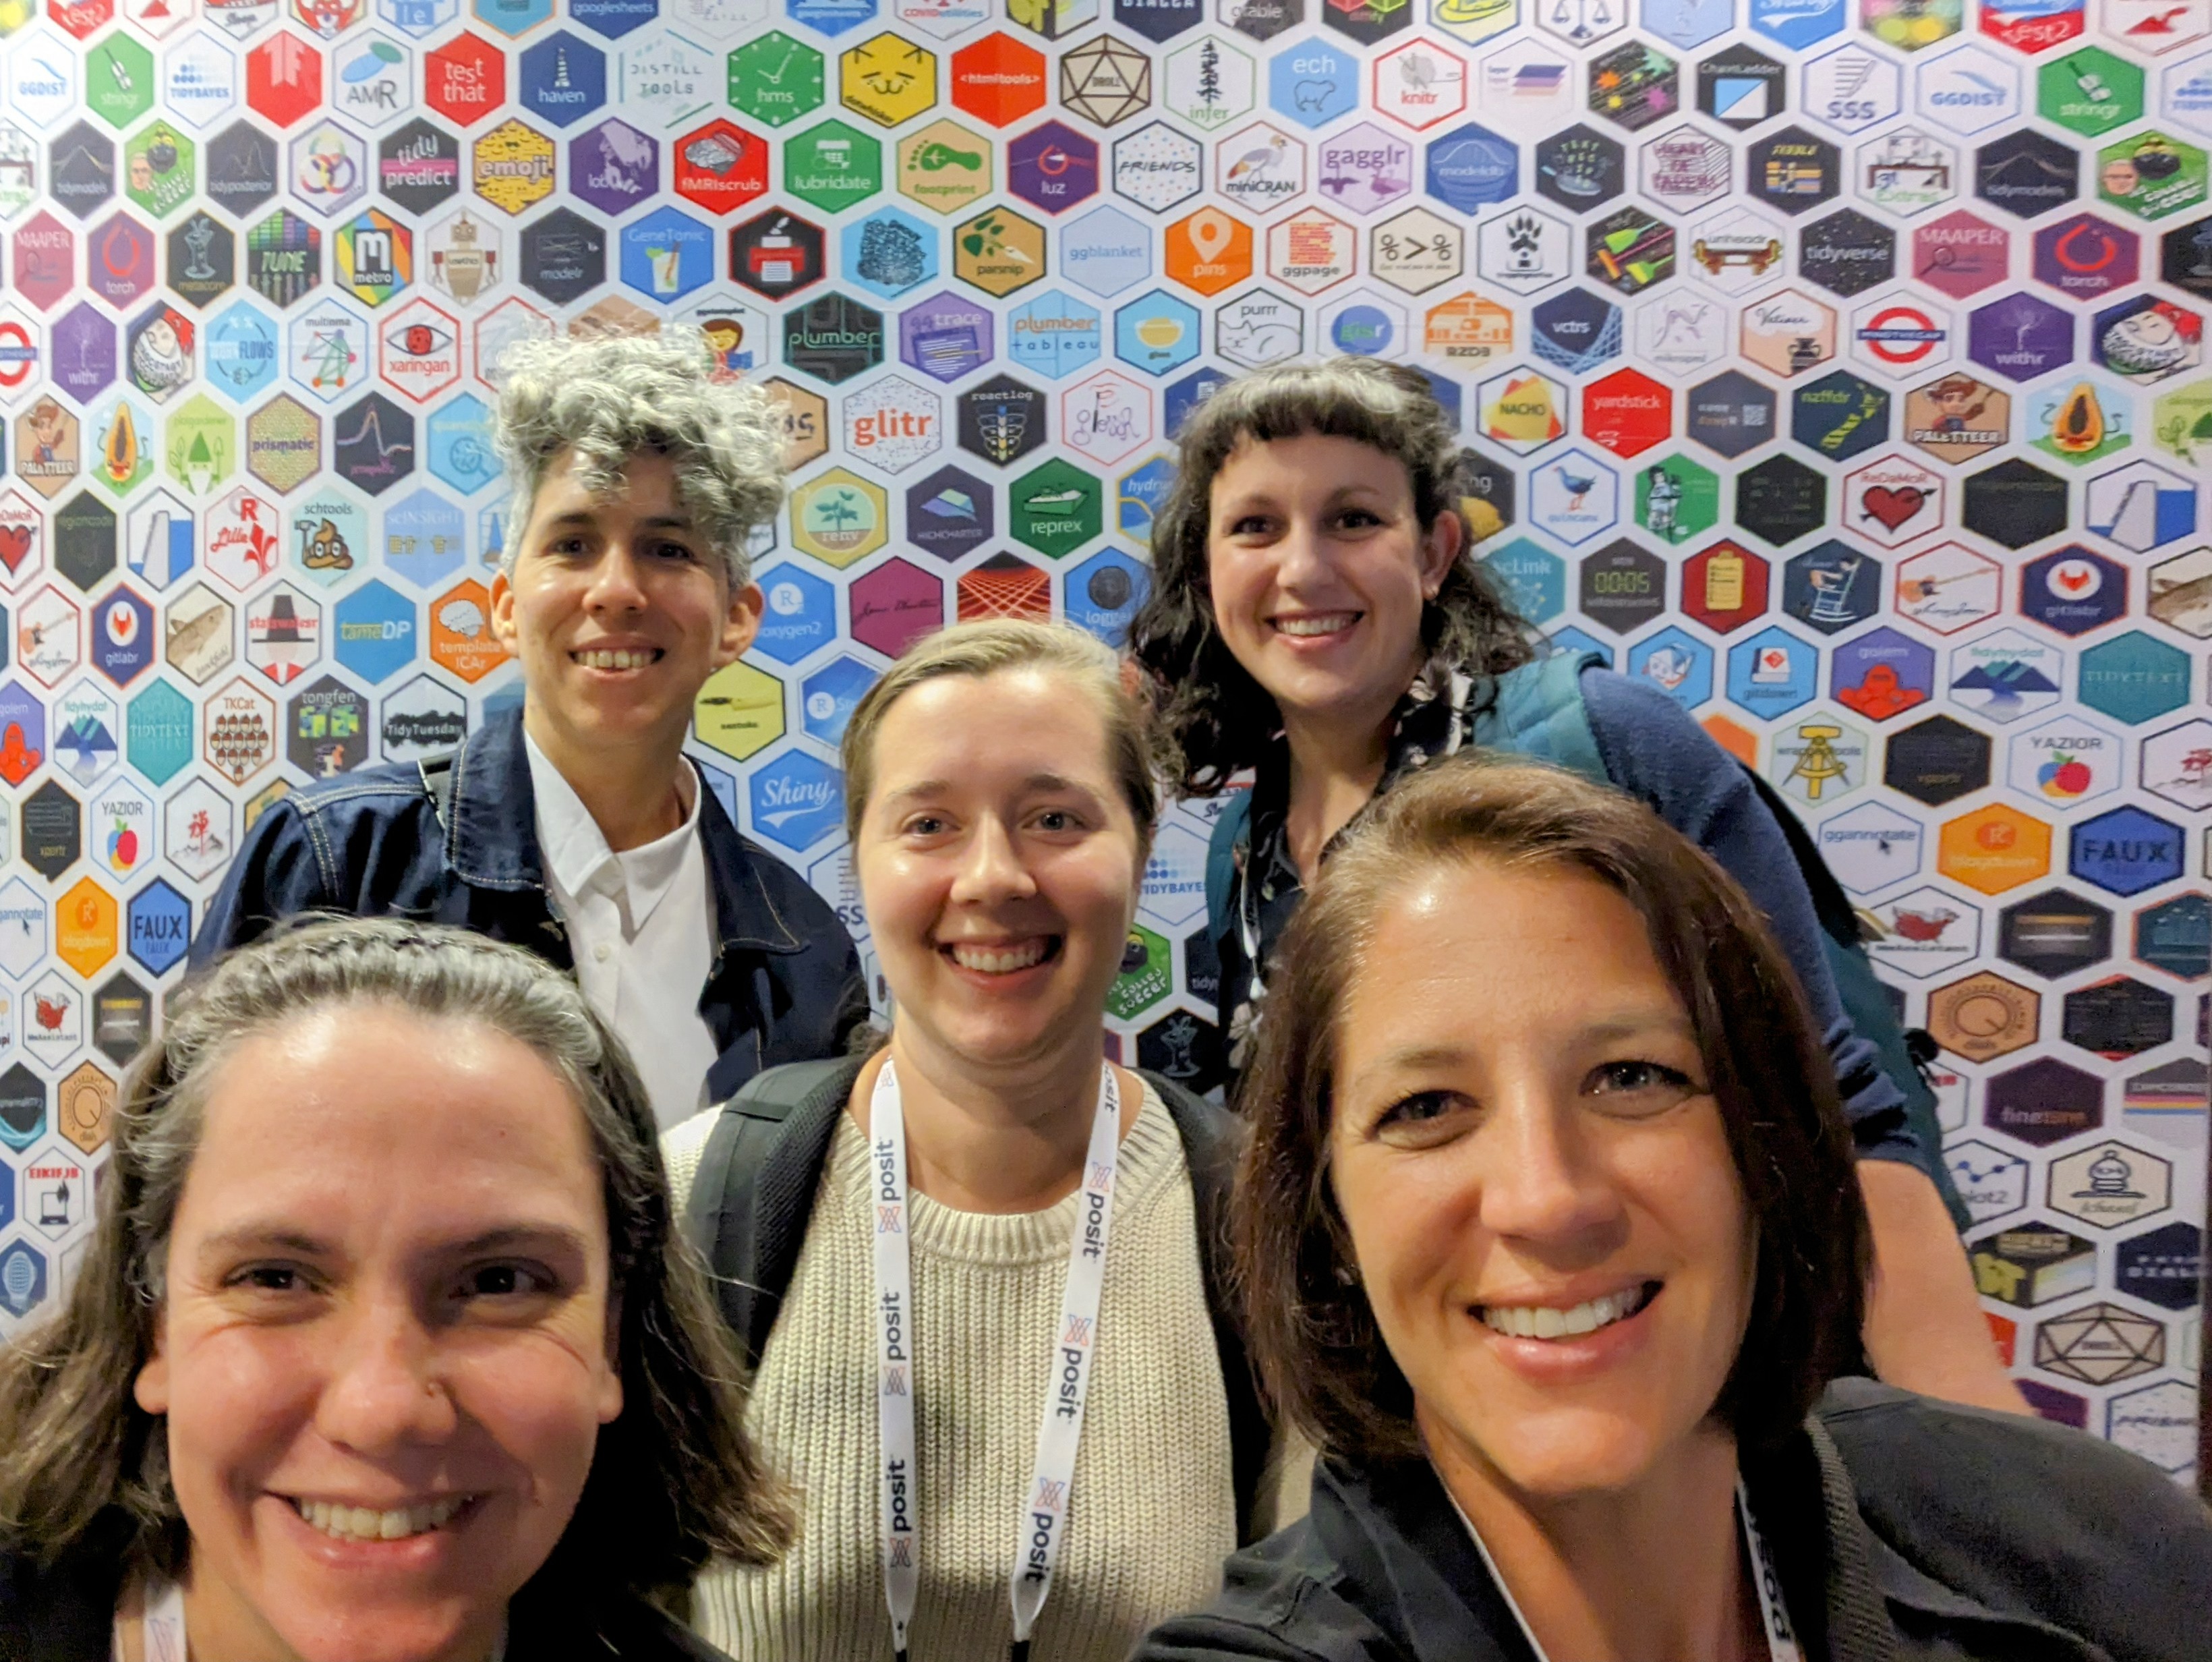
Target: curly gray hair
x,y
612,398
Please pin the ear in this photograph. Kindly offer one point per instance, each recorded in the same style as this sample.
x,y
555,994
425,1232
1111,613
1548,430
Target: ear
x,y
150,1389
610,1404
1440,544
502,616
741,625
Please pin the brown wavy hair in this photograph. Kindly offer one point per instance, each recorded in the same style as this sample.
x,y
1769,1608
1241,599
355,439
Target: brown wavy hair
x,y
674,1478
1216,718
1313,1334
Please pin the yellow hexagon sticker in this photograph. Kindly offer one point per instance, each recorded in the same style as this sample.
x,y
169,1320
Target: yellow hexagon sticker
x,y
887,80
1994,848
84,928
998,252
943,167
839,518
740,712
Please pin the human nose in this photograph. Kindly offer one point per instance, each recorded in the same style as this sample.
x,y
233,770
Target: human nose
x,y
617,581
1299,557
385,1387
1543,1178
991,867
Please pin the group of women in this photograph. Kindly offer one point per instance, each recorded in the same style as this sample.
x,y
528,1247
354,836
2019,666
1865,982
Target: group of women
x,y
1537,1223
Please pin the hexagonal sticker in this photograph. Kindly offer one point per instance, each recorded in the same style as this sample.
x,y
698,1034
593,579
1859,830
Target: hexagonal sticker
x,y
2134,679
2125,851
1729,414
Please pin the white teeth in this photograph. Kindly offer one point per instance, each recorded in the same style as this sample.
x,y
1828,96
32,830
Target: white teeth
x,y
1327,625
362,1523
1549,1322
996,961
616,660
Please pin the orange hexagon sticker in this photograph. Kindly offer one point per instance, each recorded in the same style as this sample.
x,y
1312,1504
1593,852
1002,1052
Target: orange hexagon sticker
x,y
460,633
84,928
1983,1016
1209,251
1994,848
84,1106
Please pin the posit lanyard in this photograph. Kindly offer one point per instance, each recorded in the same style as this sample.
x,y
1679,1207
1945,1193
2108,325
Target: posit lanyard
x,y
1781,1640
161,1629
1059,1425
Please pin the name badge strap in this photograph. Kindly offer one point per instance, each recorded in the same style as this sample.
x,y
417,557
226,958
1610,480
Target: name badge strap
x,y
1059,1427
1781,1640
900,1538
161,1629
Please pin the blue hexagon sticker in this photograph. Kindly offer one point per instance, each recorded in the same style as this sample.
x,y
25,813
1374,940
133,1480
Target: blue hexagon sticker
x,y
1535,579
122,634
1313,82
562,78
1471,167
826,697
459,436
1795,23
796,801
1157,333
1103,593
889,251
1055,334
157,732
667,254
1140,494
242,353
1772,673
2125,851
2134,679
1180,397
613,18
1105,252
425,539
800,614
1678,664
512,18
22,1280
420,17
376,636
158,927
1690,23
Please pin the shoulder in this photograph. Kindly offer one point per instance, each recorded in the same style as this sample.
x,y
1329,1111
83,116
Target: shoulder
x,y
682,1147
387,791
1624,710
62,1610
779,905
1965,1494
1280,1602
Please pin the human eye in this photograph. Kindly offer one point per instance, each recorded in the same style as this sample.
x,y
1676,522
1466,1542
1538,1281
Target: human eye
x,y
924,824
1060,820
1250,525
1422,1119
506,1280
679,552
269,1281
1358,519
1640,1087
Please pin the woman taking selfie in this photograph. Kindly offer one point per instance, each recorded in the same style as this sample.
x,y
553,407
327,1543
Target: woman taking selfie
x,y
1549,1245
384,1349
976,1268
1318,616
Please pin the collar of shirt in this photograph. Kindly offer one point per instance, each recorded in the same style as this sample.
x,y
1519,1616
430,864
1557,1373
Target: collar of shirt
x,y
578,860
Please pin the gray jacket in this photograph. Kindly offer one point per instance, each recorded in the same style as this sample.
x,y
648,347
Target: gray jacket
x,y
1904,1530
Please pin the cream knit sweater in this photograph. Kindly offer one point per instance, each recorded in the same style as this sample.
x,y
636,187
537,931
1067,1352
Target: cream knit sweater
x,y
1152,1510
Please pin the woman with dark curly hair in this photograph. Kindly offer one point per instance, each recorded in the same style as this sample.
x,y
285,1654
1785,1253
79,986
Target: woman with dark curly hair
x,y
386,1348
1547,1238
1318,617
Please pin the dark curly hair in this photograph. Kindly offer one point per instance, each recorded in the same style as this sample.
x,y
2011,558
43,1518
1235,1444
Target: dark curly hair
x,y
1213,715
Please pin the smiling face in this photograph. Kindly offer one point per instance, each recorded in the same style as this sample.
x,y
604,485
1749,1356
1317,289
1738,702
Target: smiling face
x,y
619,609
1319,569
1547,1217
1000,864
384,1350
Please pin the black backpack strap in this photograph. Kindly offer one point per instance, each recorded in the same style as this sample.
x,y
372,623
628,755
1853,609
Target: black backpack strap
x,y
740,1216
1213,1142
437,775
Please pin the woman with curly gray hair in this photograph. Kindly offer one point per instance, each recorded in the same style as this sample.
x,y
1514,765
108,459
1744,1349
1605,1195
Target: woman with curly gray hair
x,y
575,826
1319,617
395,1362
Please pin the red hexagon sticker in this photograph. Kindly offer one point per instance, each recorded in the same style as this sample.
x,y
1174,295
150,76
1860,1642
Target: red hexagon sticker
x,y
999,80
283,79
1627,412
721,166
465,80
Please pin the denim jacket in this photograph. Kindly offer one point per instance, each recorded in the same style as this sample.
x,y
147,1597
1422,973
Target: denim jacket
x,y
786,985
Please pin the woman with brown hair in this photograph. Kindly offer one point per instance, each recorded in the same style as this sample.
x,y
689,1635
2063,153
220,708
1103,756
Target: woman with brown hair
x,y
1549,1243
386,1348
1318,616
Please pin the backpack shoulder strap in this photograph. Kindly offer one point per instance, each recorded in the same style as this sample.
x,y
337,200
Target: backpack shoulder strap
x,y
1537,711
726,1215
1229,830
437,775
1212,1142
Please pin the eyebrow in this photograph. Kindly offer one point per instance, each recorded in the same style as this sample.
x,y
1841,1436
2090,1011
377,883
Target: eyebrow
x,y
1035,782
1421,1058
588,517
284,1238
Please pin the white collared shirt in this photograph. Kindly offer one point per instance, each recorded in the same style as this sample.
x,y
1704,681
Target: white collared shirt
x,y
641,925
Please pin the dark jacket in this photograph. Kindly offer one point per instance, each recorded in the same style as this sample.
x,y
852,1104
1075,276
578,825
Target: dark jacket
x,y
66,1613
786,985
1904,1530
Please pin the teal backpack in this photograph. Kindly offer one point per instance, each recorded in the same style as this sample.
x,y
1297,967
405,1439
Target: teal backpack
x,y
1538,713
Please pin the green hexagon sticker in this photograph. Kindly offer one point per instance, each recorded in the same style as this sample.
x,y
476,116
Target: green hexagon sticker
x,y
776,79
2151,174
839,518
200,447
158,168
2089,91
1057,508
119,80
158,733
1677,499
1147,974
2181,423
833,166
